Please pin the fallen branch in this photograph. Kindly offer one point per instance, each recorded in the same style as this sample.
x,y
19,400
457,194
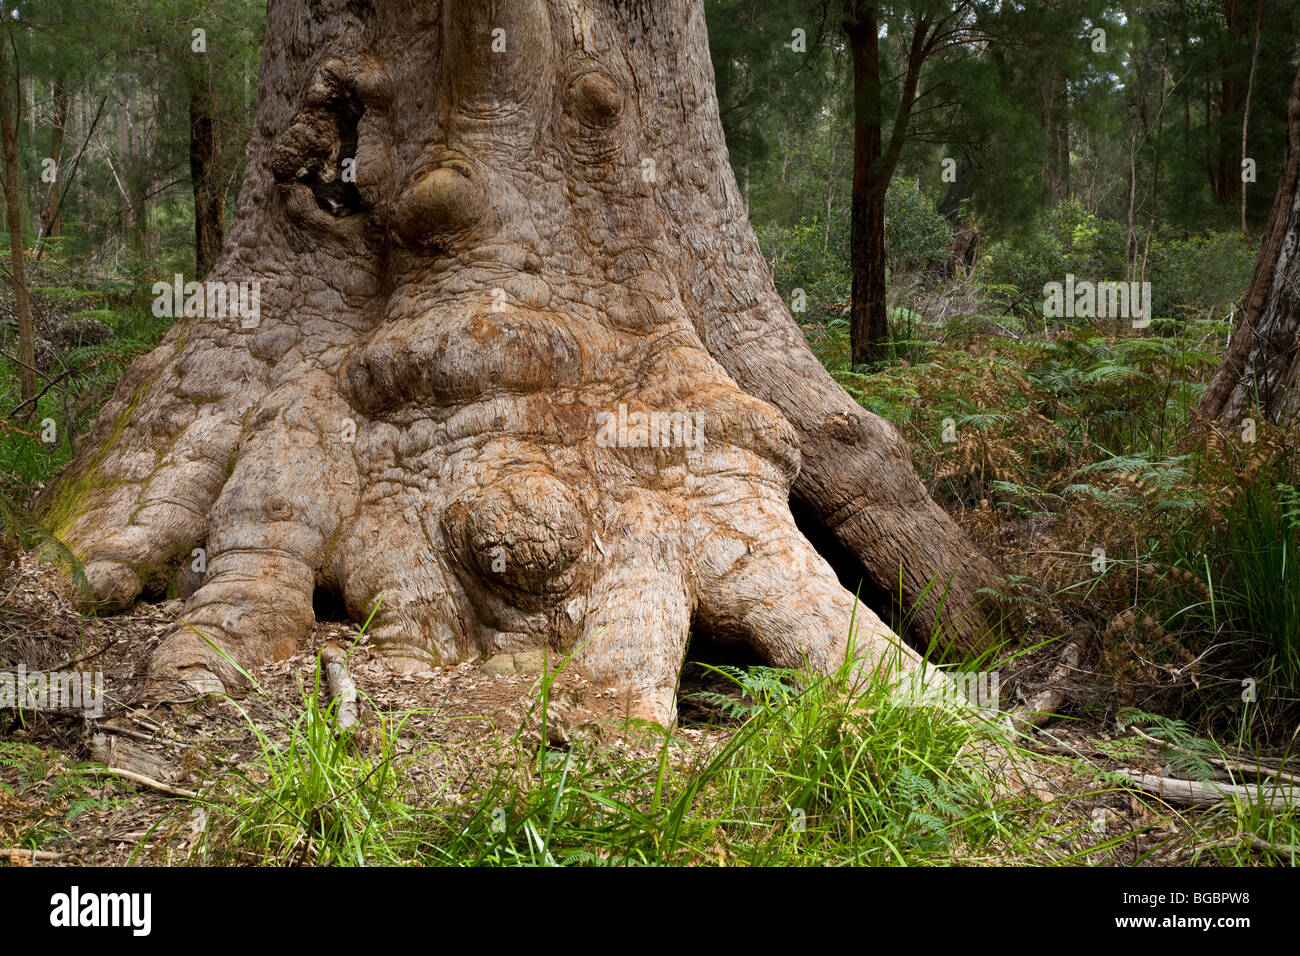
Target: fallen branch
x,y
1230,765
37,397
130,732
15,854
158,785
342,688
135,764
144,720
74,662
1197,794
1282,849
1040,708
15,429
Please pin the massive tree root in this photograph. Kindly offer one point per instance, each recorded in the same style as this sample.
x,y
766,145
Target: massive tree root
x,y
519,368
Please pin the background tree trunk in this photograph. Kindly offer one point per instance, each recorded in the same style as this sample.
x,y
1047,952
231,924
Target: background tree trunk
x,y
1226,179
51,218
208,213
1245,112
1259,368
1056,113
544,238
14,220
869,322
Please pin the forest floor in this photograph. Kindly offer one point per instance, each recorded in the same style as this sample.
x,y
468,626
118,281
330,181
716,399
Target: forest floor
x,y
450,729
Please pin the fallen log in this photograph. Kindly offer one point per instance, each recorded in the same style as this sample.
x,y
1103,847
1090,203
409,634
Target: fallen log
x,y
119,754
1208,794
151,783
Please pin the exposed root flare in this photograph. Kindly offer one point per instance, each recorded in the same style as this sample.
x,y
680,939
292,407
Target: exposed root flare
x,y
520,378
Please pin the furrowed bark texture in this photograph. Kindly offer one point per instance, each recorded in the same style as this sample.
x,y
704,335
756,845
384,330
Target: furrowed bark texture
x,y
1259,369
542,240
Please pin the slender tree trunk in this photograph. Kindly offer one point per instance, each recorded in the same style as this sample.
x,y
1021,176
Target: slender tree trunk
x,y
1056,110
122,142
29,90
51,218
1259,369
830,206
527,378
1227,174
14,220
1187,97
1245,113
208,213
139,173
1210,138
1130,242
1160,135
869,322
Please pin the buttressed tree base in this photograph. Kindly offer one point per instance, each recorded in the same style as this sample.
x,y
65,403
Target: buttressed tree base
x,y
482,231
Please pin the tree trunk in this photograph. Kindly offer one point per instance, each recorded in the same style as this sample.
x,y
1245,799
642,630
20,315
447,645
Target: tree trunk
x,y
51,218
526,382
208,214
1259,368
1056,114
1245,113
1226,181
869,321
14,220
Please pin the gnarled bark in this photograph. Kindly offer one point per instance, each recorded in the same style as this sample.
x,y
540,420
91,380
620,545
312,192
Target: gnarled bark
x,y
543,239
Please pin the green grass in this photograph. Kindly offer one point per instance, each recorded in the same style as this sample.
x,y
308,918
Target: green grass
x,y
310,795
1246,615
807,773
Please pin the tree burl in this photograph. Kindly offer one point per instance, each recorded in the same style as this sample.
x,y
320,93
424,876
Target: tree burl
x,y
482,232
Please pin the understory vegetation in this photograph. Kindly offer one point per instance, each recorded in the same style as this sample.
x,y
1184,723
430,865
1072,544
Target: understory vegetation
x,y
1072,451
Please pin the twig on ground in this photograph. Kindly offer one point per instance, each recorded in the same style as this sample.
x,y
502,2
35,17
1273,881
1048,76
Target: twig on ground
x,y
1230,765
1041,707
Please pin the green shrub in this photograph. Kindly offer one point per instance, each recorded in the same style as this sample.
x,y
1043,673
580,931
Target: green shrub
x,y
915,233
1195,277
806,259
